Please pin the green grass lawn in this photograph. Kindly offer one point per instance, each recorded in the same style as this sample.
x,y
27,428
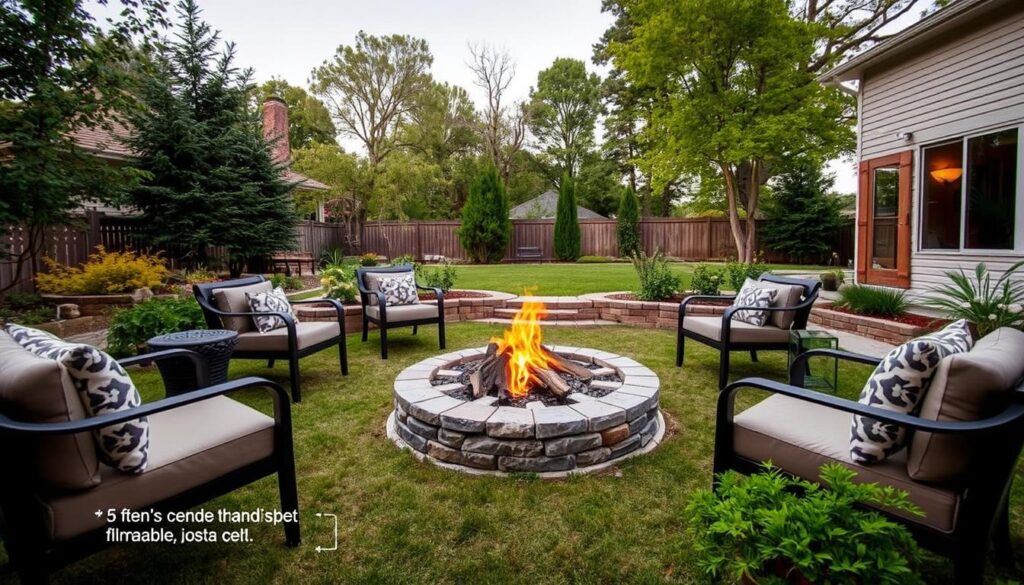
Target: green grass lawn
x,y
402,521
568,279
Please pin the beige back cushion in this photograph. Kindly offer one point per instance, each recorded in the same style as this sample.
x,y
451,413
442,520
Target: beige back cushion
x,y
233,300
967,386
36,389
371,280
787,296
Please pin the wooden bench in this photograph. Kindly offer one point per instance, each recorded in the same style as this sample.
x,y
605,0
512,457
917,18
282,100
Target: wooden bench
x,y
528,252
288,259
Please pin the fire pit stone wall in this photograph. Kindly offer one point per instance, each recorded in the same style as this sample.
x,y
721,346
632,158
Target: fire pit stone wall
x,y
585,434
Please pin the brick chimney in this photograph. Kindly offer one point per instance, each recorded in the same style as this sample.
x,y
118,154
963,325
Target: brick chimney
x,y
275,128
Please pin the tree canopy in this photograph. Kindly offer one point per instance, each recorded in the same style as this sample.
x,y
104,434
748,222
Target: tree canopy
x,y
564,107
309,121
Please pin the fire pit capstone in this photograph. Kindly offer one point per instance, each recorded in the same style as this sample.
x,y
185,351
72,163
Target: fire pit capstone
x,y
441,423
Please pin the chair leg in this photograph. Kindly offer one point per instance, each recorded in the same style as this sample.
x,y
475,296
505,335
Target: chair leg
x,y
270,363
383,341
289,499
366,326
440,333
293,374
969,564
753,355
343,355
680,347
723,368
1003,546
415,328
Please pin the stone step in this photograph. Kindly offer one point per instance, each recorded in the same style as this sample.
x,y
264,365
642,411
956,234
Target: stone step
x,y
552,314
553,302
579,323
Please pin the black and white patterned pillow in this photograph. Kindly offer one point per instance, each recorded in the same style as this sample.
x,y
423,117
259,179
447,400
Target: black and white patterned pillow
x,y
899,384
103,386
270,301
399,290
751,295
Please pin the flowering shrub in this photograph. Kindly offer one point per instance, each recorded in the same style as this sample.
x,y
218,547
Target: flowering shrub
x,y
706,280
105,273
989,305
339,282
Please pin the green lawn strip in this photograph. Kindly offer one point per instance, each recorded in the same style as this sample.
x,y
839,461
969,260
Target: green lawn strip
x,y
556,279
402,521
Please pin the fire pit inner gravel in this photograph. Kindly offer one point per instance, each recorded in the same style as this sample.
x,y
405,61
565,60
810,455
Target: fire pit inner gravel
x,y
518,405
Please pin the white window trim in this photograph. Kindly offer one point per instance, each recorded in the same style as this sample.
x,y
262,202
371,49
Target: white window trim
x,y
1018,237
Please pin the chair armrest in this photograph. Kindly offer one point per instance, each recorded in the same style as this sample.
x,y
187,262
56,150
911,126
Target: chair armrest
x,y
437,290
683,303
798,371
198,361
282,409
1009,417
339,308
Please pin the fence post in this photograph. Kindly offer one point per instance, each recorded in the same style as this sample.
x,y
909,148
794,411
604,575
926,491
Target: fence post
x,y
93,236
419,242
708,240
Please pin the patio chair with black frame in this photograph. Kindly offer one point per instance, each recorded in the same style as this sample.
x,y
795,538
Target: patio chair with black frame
x,y
225,307
377,311
789,310
965,490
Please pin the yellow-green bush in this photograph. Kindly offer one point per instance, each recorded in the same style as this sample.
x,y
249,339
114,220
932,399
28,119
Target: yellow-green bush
x,y
105,273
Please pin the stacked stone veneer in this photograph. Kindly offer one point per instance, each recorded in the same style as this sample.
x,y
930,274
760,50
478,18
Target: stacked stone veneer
x,y
465,309
479,435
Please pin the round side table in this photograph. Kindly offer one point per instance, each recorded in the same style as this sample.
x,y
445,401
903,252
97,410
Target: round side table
x,y
216,345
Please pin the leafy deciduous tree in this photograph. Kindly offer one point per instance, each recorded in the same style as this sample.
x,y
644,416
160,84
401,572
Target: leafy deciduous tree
x,y
61,72
564,107
567,225
503,129
210,180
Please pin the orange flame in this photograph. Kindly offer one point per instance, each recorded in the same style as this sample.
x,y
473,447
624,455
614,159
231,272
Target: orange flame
x,y
521,343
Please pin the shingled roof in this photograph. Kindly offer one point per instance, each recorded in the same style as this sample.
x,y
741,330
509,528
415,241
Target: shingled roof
x,y
544,206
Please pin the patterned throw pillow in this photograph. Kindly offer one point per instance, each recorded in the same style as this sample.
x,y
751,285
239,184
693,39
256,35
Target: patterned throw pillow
x,y
399,290
271,301
751,295
899,384
103,386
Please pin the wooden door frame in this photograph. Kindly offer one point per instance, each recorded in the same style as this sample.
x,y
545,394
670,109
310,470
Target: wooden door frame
x,y
900,276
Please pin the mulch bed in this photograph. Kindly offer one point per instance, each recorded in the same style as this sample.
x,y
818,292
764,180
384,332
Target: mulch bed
x,y
673,299
906,319
455,294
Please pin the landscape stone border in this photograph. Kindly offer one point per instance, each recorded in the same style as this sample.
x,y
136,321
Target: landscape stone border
x,y
878,329
478,436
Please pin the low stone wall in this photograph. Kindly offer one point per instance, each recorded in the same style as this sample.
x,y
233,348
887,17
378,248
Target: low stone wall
x,y
877,329
464,309
92,305
76,326
478,435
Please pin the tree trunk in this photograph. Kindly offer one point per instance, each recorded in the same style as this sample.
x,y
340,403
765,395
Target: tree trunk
x,y
731,196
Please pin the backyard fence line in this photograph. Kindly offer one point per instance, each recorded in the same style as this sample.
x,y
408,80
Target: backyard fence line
x,y
692,239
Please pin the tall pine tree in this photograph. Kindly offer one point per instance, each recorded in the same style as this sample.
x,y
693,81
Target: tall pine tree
x,y
567,225
211,179
628,227
486,228
802,218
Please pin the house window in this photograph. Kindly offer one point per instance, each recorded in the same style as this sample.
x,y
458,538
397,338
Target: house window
x,y
883,220
886,201
971,206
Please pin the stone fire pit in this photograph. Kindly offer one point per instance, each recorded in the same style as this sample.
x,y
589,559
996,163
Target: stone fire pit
x,y
615,417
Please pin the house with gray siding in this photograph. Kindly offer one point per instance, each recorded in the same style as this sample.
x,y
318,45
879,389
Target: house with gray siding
x,y
941,167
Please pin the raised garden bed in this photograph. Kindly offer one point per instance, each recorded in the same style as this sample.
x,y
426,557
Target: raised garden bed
x,y
894,330
677,298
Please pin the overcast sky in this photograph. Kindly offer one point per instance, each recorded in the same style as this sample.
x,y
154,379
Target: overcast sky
x,y
287,39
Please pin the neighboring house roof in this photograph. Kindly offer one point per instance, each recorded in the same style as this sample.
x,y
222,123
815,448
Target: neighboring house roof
x,y
544,205
936,26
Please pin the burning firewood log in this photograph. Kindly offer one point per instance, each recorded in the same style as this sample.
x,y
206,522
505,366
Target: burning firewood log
x,y
567,366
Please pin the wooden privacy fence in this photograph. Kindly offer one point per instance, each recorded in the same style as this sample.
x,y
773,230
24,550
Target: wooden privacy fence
x,y
693,239
72,245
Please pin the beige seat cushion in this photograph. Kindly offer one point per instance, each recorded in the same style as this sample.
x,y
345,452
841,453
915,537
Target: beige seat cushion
x,y
967,386
800,437
233,300
37,389
190,446
740,331
307,334
787,296
399,313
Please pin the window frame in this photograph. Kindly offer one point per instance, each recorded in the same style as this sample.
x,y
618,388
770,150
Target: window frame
x,y
899,276
1018,208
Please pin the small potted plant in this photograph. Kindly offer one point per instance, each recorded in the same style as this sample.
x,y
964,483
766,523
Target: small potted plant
x,y
831,280
772,528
